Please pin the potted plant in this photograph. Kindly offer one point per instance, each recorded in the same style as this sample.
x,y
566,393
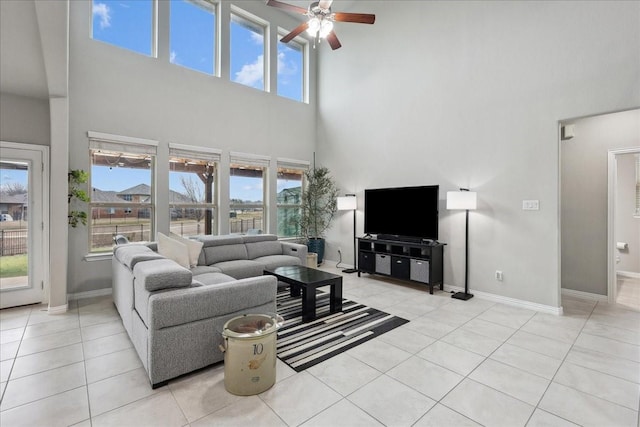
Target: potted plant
x,y
77,177
317,208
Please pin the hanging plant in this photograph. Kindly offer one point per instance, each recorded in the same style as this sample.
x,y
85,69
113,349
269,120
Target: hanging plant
x,y
76,178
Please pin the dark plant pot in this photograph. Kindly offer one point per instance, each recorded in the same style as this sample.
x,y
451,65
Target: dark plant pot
x,y
316,245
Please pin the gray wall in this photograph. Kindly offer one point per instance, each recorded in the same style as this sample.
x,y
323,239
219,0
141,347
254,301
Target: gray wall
x,y
469,94
119,92
24,119
627,226
584,196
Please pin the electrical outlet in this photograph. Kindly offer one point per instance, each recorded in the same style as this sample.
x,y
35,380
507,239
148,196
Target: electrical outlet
x,y
499,276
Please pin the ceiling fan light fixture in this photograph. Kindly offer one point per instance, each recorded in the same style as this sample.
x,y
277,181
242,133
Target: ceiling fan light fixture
x,y
314,26
325,28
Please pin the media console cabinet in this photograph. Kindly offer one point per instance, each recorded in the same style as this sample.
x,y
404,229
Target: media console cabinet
x,y
412,261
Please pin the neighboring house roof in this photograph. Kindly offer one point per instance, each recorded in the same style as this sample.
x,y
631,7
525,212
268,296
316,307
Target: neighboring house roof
x,y
175,197
105,196
138,190
15,199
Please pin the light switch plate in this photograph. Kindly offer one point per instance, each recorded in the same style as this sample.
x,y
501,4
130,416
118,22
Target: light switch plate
x,y
531,205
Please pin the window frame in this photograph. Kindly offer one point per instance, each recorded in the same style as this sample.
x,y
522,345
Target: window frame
x,y
117,143
303,44
210,155
212,7
251,20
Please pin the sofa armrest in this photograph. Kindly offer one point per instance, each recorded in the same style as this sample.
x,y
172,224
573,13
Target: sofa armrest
x,y
295,249
180,306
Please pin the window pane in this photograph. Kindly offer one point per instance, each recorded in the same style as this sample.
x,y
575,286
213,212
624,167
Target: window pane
x,y
192,196
108,221
192,35
121,197
288,198
124,23
246,191
247,52
291,71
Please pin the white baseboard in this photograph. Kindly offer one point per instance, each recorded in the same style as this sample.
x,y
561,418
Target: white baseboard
x,y
584,295
631,274
509,301
58,309
90,294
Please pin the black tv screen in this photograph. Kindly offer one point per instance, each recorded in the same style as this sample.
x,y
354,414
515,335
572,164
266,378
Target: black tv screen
x,y
402,212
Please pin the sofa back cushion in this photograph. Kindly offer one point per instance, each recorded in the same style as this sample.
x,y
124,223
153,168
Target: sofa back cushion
x,y
258,249
252,238
215,254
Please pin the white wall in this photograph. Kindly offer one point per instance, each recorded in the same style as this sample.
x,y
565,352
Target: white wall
x,y
24,119
627,226
119,92
584,196
469,94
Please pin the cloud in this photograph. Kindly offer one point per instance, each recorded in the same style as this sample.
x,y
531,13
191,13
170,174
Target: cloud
x,y
257,38
250,74
286,68
172,57
102,11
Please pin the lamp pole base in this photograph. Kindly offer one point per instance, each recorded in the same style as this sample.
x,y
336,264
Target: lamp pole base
x,y
462,295
349,270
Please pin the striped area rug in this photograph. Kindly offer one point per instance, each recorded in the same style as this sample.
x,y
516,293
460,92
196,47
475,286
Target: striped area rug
x,y
302,345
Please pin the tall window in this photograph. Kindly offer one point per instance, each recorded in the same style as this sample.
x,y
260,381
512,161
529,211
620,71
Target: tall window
x,y
247,50
192,35
125,23
290,186
192,190
291,71
247,177
122,190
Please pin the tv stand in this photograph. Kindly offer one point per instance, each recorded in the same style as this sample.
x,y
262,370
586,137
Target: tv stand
x,y
414,261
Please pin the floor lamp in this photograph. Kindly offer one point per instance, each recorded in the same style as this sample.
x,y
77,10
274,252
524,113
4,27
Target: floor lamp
x,y
350,203
466,200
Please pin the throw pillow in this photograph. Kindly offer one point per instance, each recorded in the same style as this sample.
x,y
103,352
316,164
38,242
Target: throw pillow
x,y
193,246
172,249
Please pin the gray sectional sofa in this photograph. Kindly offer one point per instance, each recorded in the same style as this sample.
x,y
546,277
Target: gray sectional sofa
x,y
174,315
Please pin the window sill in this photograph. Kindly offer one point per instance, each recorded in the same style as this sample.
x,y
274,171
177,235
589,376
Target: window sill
x,y
105,256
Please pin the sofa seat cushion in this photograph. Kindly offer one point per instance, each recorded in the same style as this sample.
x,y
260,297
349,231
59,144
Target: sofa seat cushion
x,y
180,306
241,268
203,269
213,278
275,261
133,253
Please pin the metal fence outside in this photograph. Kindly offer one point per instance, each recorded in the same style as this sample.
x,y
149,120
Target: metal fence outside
x,y
13,242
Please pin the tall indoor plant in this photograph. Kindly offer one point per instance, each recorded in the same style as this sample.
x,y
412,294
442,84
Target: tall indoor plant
x,y
318,208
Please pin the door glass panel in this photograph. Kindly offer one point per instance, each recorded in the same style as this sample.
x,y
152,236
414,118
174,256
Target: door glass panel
x,y
14,212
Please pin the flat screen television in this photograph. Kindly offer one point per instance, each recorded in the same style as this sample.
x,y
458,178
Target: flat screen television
x,y
403,213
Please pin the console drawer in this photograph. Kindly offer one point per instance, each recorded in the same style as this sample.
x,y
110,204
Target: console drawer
x,y
420,270
383,264
400,267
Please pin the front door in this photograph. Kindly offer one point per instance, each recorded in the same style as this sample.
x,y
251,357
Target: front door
x,y
23,263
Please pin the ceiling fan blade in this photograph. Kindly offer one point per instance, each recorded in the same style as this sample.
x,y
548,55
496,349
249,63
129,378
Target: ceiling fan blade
x,y
299,29
333,41
286,6
360,18
325,4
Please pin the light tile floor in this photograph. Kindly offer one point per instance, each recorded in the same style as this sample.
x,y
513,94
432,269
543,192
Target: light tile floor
x,y
455,363
628,292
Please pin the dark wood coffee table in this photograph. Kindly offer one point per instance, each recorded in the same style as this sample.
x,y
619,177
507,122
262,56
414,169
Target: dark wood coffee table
x,y
307,279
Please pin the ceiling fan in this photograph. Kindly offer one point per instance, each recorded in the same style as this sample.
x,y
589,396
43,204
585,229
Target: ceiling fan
x,y
321,19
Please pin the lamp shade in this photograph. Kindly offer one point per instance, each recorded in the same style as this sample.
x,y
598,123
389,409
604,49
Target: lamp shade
x,y
347,203
467,200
